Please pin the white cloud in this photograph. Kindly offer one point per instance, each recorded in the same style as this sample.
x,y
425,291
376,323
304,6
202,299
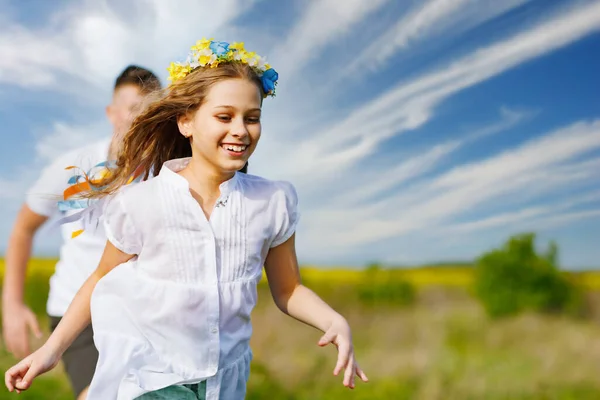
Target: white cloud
x,y
512,172
425,20
322,22
10,189
28,60
544,165
567,218
546,215
90,42
65,137
410,105
561,145
424,162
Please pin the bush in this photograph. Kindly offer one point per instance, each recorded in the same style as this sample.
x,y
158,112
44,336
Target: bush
x,y
516,278
380,287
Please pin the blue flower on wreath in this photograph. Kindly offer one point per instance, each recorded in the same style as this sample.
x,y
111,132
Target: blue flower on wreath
x,y
219,48
269,78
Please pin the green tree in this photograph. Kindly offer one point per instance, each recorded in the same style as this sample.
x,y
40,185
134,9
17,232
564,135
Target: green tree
x,y
516,277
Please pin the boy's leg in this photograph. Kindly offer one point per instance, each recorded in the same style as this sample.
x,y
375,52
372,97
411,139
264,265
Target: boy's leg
x,y
79,360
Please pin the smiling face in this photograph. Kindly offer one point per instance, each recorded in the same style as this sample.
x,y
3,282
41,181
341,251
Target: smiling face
x,y
225,129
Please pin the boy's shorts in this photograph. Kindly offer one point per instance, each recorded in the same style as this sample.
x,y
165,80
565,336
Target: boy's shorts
x,y
196,391
80,358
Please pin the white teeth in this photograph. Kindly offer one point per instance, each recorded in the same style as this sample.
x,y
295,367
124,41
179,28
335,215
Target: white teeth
x,y
235,148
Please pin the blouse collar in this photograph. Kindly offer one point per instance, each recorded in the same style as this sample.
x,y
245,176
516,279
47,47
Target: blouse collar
x,y
170,170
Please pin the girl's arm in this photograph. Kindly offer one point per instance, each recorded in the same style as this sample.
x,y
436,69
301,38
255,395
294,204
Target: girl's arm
x,y
75,320
299,302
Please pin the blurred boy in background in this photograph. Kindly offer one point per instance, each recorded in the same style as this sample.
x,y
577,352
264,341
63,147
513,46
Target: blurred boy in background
x,y
79,256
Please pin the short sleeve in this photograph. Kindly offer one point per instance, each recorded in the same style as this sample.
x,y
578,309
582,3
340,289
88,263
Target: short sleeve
x,y
119,227
43,196
286,214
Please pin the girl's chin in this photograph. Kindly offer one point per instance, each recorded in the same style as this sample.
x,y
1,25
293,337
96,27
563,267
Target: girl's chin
x,y
232,166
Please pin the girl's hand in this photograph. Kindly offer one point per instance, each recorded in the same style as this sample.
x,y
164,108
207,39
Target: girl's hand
x,y
339,334
20,376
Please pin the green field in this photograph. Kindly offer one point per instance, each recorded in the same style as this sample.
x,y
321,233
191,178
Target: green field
x,y
441,347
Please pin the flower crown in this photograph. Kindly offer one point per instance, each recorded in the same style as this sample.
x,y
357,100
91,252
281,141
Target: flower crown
x,y
208,53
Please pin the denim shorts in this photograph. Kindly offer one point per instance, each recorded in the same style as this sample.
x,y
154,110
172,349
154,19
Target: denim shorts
x,y
196,391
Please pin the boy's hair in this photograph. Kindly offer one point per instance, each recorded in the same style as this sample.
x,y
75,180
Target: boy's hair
x,y
141,77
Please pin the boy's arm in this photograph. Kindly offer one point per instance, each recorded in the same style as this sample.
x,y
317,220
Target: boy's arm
x,y
40,204
16,316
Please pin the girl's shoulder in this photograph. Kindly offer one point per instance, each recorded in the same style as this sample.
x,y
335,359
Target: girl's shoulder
x,y
257,185
136,199
280,203
136,191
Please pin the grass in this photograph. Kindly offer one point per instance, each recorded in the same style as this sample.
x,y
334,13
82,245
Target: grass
x,y
441,347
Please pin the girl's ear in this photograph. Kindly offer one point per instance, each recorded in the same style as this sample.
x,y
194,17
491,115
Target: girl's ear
x,y
184,123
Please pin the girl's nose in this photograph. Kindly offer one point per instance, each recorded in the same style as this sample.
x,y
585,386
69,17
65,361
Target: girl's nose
x,y
239,128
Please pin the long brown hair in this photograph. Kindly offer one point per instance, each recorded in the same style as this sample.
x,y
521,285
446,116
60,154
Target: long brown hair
x,y
154,136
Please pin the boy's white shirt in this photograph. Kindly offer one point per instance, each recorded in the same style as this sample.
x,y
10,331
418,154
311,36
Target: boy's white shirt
x,y
79,256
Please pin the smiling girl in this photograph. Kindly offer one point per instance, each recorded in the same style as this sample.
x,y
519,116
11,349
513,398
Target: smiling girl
x,y
171,299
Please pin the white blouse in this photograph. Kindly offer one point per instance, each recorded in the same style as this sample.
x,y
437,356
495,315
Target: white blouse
x,y
179,312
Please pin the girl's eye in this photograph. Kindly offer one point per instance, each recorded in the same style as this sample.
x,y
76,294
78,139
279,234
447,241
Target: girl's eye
x,y
253,120
224,118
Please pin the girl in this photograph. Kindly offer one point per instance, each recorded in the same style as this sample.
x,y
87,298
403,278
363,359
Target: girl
x,y
170,301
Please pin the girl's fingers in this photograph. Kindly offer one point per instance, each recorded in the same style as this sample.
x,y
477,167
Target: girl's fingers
x,y
349,373
15,373
8,381
343,357
25,383
361,374
327,338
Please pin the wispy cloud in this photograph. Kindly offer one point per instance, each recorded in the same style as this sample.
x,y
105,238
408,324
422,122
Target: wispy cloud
x,y
541,214
511,172
410,105
426,20
427,161
10,189
552,149
446,197
321,22
567,218
90,42
65,137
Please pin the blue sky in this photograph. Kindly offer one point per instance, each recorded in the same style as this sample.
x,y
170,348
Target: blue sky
x,y
414,131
